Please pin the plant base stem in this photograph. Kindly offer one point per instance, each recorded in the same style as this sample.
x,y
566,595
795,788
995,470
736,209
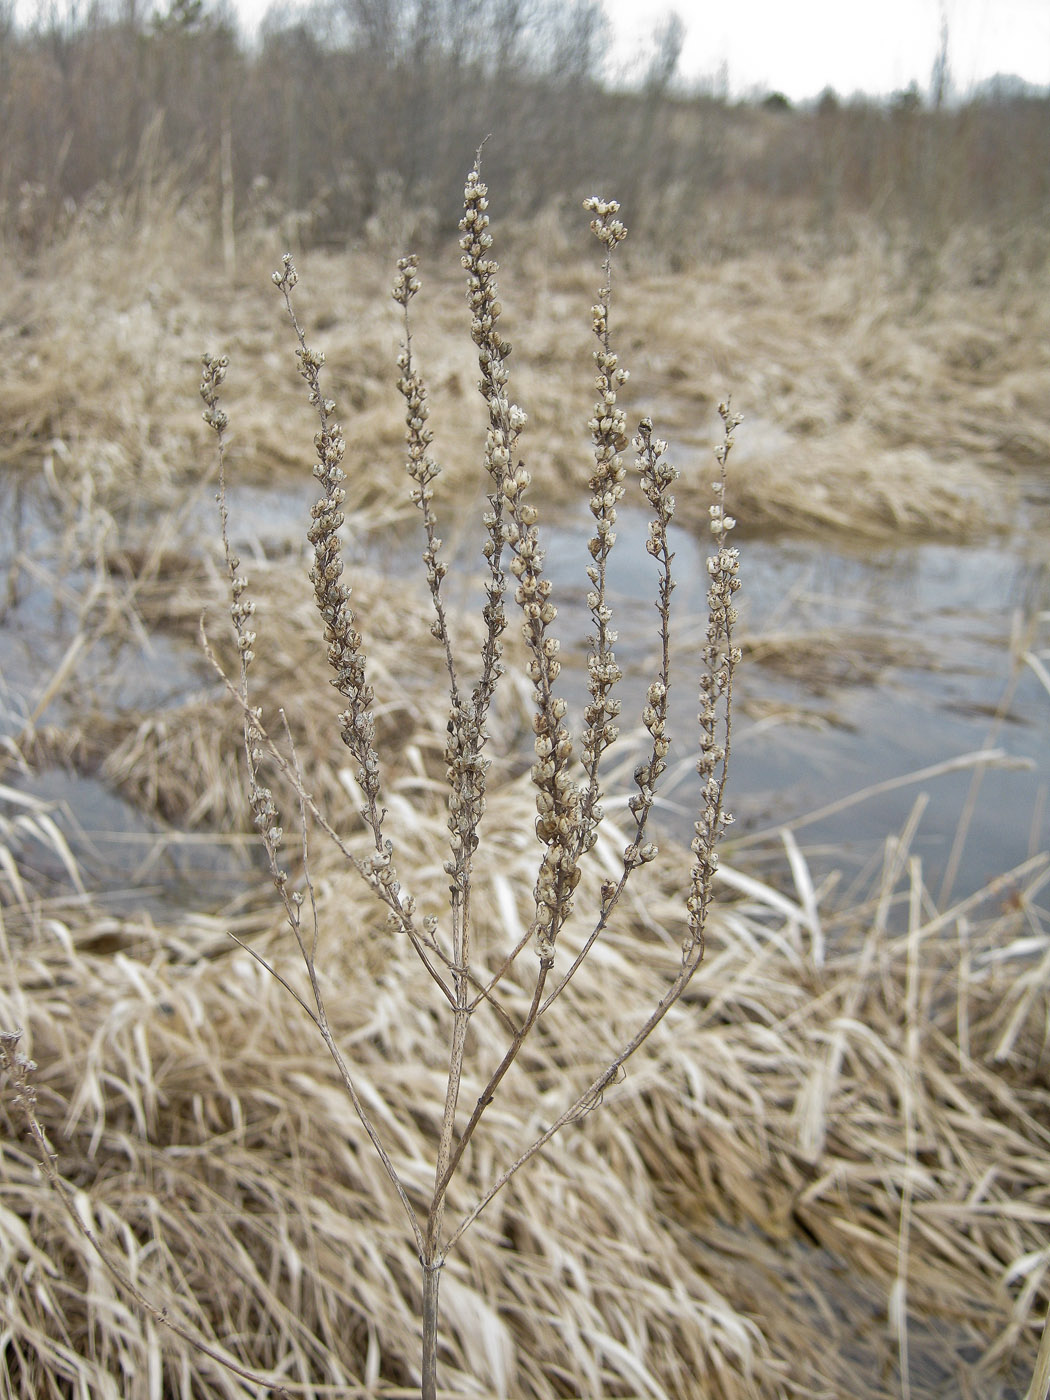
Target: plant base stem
x,y
431,1282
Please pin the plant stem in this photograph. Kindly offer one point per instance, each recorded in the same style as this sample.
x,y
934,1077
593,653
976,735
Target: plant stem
x,y
431,1283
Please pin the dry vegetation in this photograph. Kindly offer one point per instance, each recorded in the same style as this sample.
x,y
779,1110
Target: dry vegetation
x,y
836,1154
835,1151
873,416
819,1155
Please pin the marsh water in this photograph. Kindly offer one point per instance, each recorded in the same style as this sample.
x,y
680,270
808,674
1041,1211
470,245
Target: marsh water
x,y
865,666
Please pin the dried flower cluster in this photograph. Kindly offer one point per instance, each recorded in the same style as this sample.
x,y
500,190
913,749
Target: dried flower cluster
x,y
345,650
720,657
242,608
568,785
657,477
608,429
465,767
511,521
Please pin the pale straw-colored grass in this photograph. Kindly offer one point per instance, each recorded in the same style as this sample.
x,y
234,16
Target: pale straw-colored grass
x,y
844,1126
831,1161
878,1092
879,415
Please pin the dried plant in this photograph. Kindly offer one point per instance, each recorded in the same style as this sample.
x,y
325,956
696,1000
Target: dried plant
x,y
566,773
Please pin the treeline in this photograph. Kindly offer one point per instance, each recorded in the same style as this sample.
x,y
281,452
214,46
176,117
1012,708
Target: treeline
x,y
359,111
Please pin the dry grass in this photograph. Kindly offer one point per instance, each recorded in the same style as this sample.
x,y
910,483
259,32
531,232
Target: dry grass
x,y
821,1148
182,763
856,1173
826,659
860,1137
879,415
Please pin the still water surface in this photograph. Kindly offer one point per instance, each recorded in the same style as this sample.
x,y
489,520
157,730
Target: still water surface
x,y
868,664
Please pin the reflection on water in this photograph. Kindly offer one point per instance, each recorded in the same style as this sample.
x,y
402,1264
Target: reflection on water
x,y
921,636
868,664
64,830
882,661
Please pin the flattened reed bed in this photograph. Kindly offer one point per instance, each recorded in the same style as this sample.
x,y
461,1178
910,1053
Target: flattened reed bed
x,y
861,1143
180,763
888,414
823,660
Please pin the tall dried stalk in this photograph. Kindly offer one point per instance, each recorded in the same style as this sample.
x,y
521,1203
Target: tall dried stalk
x,y
568,782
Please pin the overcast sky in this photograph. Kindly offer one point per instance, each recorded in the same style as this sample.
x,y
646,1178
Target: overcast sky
x,y
800,47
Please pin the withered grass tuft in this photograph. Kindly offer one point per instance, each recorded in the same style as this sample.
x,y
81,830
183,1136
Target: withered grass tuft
x,y
733,1219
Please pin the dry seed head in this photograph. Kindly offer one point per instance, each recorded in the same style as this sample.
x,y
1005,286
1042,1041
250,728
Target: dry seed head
x,y
406,284
720,657
286,276
213,374
605,225
345,650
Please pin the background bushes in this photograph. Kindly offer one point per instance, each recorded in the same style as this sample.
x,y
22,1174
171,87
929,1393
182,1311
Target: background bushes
x,y
356,112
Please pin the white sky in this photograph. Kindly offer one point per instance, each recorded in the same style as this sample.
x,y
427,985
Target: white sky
x,y
799,47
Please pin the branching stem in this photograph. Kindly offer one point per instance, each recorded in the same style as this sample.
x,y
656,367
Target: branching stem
x,y
568,789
